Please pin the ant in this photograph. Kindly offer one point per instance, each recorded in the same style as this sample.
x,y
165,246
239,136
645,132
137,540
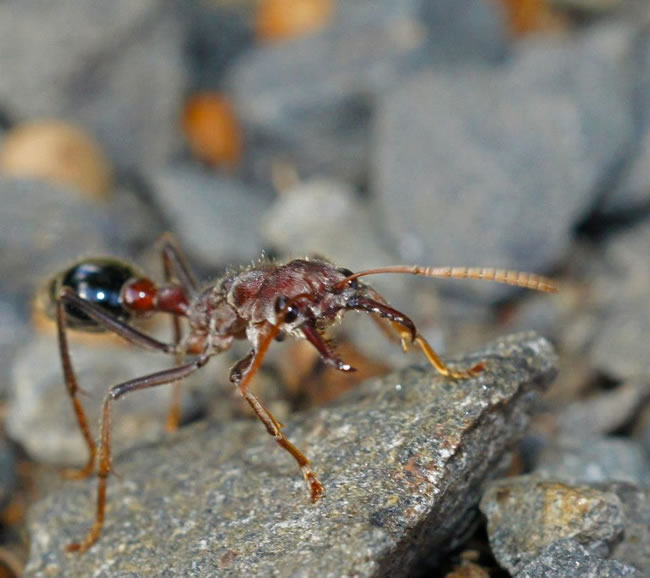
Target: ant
x,y
261,303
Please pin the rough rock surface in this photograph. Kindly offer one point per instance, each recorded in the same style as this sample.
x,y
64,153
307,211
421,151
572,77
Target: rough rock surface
x,y
634,549
403,460
526,513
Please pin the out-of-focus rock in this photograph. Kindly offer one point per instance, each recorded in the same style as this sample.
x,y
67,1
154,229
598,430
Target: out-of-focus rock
x,y
57,152
14,332
513,157
403,459
309,101
632,190
216,218
43,228
116,69
567,557
619,347
634,549
592,460
601,413
527,513
7,471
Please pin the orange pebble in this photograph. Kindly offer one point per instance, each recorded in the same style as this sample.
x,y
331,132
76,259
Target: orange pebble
x,y
212,130
57,152
282,19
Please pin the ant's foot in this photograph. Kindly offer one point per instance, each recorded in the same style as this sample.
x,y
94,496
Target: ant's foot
x,y
79,474
317,489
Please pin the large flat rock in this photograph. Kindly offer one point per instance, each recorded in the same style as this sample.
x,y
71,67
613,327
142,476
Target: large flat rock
x,y
403,459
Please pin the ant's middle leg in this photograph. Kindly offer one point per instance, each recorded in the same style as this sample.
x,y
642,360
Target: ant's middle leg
x,y
104,450
176,267
409,334
107,321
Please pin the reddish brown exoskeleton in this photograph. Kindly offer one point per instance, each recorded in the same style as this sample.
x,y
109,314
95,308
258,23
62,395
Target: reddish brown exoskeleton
x,y
261,303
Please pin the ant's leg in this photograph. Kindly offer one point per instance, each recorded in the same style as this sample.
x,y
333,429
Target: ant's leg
x,y
175,265
409,334
272,425
73,391
132,335
104,449
312,335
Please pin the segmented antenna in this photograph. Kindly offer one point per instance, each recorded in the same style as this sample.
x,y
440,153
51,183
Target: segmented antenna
x,y
517,278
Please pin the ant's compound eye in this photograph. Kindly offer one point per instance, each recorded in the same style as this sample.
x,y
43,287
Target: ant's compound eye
x,y
290,314
347,273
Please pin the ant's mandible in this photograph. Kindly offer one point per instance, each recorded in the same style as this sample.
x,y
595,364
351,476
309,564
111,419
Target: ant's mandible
x,y
261,303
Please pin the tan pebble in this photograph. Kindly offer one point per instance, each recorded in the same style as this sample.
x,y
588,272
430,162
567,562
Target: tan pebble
x,y
57,152
282,19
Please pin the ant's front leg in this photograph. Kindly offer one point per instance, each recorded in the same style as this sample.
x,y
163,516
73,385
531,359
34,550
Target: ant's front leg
x,y
409,334
104,451
107,321
251,364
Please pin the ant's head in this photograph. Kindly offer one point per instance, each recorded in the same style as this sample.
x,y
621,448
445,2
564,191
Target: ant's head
x,y
309,295
311,291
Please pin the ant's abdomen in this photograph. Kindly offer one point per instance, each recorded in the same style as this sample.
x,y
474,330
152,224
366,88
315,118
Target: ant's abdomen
x,y
96,280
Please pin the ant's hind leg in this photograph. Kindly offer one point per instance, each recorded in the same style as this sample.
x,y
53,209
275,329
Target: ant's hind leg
x,y
73,391
110,323
104,449
273,426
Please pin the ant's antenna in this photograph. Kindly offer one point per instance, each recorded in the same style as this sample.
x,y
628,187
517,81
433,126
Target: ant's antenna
x,y
517,278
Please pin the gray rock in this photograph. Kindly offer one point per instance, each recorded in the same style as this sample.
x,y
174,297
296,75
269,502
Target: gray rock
x,y
620,347
632,191
14,332
7,471
567,558
43,228
527,513
479,150
402,459
591,460
601,413
216,218
41,418
634,549
310,100
218,33
136,224
115,69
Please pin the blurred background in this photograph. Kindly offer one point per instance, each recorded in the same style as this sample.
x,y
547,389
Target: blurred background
x,y
498,133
